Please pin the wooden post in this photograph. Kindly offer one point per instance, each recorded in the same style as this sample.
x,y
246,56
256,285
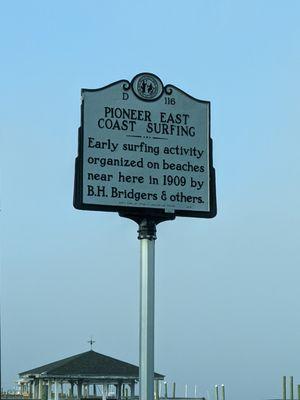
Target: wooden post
x,y
216,392
223,392
156,391
284,388
174,390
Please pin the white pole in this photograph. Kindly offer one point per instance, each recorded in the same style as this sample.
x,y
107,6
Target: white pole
x,y
156,390
49,390
216,392
284,388
56,390
166,389
147,230
186,391
223,391
174,390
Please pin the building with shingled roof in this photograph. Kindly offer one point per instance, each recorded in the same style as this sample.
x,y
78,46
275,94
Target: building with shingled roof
x,y
88,374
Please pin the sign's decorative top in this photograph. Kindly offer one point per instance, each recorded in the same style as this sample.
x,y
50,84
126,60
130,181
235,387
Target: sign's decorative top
x,y
147,86
145,150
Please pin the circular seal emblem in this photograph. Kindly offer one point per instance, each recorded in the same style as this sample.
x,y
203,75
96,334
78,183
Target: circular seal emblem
x,y
147,86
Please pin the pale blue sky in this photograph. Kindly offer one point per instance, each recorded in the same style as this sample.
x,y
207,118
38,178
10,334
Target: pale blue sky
x,y
227,290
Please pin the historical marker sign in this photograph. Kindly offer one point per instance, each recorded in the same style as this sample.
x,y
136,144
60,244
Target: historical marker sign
x,y
145,148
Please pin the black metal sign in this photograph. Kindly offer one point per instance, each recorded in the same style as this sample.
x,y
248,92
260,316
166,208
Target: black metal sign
x,y
144,149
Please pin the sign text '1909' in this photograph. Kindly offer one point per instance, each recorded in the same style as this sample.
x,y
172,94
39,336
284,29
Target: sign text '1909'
x,y
169,180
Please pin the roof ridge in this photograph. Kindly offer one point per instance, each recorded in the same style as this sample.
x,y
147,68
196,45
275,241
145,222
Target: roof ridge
x,y
112,358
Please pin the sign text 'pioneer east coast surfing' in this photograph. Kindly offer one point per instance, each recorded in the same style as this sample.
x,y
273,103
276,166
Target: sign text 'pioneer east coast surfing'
x,y
145,149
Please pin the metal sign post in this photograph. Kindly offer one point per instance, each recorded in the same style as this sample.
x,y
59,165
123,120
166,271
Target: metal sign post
x,y
147,236
145,151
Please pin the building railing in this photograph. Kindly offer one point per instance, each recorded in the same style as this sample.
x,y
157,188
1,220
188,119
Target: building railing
x,y
9,396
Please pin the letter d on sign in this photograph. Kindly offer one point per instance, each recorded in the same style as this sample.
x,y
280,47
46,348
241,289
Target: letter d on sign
x,y
125,96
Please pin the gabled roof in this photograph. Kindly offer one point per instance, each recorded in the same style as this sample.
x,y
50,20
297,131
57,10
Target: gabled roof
x,y
89,363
